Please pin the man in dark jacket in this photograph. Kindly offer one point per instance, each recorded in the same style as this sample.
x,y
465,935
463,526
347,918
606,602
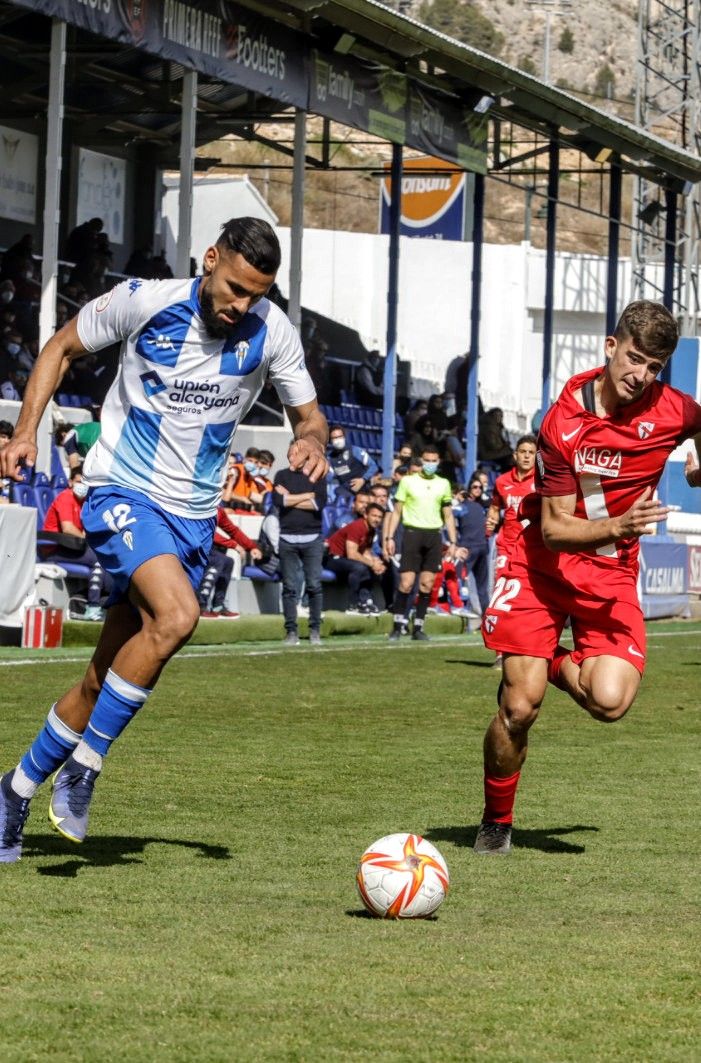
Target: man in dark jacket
x,y
299,503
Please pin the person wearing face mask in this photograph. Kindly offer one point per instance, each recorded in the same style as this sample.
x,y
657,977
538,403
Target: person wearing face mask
x,y
12,389
241,482
63,525
352,467
423,504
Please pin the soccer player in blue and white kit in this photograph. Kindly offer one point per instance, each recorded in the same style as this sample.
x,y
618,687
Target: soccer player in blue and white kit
x,y
195,354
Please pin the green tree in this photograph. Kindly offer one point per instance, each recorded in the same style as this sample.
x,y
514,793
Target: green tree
x,y
528,66
605,81
462,20
566,42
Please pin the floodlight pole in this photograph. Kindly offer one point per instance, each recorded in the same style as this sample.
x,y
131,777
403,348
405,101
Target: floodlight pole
x,y
52,211
390,377
188,127
472,416
550,247
294,308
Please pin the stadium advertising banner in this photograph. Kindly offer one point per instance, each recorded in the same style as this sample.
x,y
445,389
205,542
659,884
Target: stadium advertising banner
x,y
18,174
217,38
364,95
694,574
441,127
433,203
101,181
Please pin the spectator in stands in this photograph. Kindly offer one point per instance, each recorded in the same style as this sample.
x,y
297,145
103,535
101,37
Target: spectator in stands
x,y
18,260
160,270
76,440
266,460
493,443
220,567
299,504
351,557
12,389
404,454
7,431
454,453
7,292
64,526
241,482
18,350
379,492
418,409
425,435
369,381
437,415
485,494
351,467
82,241
139,263
62,314
454,374
472,538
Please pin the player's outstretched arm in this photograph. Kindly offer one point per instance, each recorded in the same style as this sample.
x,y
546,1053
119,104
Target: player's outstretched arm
x,y
692,472
48,372
308,452
567,533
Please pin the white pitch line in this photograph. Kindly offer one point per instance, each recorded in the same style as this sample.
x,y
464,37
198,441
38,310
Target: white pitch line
x,y
226,651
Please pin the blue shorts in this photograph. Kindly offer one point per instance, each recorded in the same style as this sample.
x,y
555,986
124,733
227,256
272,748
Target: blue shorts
x,y
125,529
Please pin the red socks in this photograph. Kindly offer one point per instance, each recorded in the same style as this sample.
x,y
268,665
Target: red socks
x,y
499,797
555,665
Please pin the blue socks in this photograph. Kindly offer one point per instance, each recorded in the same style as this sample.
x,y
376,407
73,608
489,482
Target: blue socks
x,y
117,704
51,747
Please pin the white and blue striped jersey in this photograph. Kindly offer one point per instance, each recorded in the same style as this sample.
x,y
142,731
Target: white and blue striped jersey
x,y
169,417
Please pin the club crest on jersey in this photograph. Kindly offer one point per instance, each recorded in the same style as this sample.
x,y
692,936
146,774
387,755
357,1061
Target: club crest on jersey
x,y
128,538
490,622
645,429
240,353
598,460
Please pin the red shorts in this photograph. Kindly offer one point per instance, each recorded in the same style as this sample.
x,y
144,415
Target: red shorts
x,y
532,601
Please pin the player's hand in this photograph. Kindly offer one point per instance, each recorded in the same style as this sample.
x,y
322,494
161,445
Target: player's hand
x,y
389,549
308,455
692,471
644,512
256,554
16,456
462,553
451,553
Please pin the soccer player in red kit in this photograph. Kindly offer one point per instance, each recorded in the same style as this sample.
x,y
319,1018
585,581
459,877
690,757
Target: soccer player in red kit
x,y
507,494
601,451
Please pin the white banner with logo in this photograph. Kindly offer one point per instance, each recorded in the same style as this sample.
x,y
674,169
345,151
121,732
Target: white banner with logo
x,y
18,174
101,183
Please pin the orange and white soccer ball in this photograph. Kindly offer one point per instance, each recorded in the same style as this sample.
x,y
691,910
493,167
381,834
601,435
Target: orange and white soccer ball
x,y
402,876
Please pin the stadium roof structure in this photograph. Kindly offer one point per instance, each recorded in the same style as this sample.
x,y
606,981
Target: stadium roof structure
x,y
151,79
133,93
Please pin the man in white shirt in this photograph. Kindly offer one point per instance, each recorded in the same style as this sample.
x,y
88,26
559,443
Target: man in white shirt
x,y
194,356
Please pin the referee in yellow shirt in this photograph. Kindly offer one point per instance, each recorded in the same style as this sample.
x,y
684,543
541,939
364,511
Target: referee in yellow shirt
x,y
423,504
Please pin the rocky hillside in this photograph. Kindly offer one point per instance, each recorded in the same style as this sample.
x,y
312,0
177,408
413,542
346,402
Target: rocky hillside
x,y
593,43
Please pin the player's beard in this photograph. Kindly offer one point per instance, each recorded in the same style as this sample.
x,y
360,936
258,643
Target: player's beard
x,y
216,328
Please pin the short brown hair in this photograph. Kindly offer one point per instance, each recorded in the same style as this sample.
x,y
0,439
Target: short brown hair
x,y
650,326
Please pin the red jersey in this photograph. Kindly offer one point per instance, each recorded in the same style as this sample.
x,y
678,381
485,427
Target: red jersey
x,y
357,532
66,507
607,462
507,495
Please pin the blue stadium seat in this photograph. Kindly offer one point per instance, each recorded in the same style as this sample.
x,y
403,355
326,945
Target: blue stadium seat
x,y
327,576
44,495
327,520
24,494
56,467
59,482
268,503
40,479
253,572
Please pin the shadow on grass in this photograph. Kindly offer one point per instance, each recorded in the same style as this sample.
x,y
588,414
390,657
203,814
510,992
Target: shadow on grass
x,y
362,913
107,851
549,840
474,664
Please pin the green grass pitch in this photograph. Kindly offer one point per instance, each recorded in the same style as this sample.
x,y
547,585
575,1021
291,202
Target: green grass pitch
x,y
212,914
